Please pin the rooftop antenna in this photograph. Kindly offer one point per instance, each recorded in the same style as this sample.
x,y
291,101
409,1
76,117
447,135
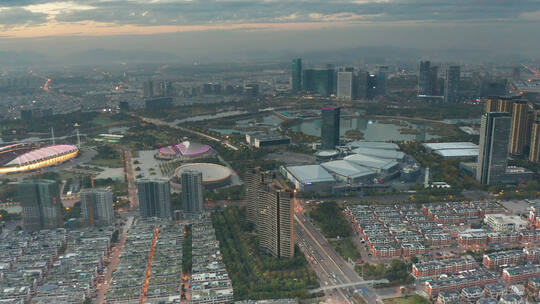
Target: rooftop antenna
x,y
52,135
78,136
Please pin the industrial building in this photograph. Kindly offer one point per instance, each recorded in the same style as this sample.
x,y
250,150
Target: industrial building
x,y
309,178
379,165
348,172
453,149
261,140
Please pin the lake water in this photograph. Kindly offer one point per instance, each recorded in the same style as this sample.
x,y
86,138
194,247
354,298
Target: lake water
x,y
372,128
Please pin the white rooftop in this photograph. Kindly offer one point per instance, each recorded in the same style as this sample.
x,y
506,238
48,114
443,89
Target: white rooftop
x,y
380,153
373,144
450,145
347,168
371,162
310,173
458,152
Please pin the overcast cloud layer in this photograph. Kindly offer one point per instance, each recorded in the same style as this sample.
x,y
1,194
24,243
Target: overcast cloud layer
x,y
490,19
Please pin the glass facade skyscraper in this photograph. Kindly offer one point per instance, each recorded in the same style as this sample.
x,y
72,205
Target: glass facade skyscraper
x,y
330,128
451,84
493,152
296,84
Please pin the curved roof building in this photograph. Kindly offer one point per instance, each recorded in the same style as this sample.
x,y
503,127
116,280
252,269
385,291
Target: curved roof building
x,y
213,175
40,158
186,149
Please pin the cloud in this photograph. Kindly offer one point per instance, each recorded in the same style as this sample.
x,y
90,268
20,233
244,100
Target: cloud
x,y
237,12
11,17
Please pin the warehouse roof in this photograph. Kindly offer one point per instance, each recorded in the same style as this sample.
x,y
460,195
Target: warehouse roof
x,y
380,153
450,145
373,145
458,152
371,162
310,173
347,168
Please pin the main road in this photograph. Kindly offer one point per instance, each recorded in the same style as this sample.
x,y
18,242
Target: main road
x,y
330,267
160,122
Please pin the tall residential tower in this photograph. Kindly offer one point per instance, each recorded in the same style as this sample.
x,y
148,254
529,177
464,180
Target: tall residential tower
x,y
40,203
493,151
97,206
192,192
154,197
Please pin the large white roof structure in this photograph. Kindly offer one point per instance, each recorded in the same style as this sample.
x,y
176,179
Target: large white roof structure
x,y
450,145
347,169
373,145
458,152
310,173
371,162
380,153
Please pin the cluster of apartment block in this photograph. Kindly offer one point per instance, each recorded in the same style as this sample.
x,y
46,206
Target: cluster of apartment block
x,y
52,266
210,281
482,239
76,273
166,265
25,261
494,293
128,281
534,215
400,230
461,213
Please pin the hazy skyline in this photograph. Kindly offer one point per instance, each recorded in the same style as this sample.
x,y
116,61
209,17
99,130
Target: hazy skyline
x,y
197,27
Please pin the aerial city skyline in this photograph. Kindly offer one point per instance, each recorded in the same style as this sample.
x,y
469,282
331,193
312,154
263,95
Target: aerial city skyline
x,y
257,152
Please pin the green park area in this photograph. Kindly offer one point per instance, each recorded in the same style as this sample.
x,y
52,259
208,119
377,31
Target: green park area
x,y
397,272
330,219
254,274
107,156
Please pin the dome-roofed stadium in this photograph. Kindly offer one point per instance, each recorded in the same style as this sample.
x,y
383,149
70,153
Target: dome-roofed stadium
x,y
185,150
213,175
24,157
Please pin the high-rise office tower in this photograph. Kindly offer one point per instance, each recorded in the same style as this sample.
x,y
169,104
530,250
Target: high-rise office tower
x,y
516,74
330,128
371,86
382,77
434,81
492,105
493,150
296,77
345,85
97,206
192,192
148,89
534,154
275,228
41,204
319,81
424,78
506,104
154,197
451,84
518,128
165,88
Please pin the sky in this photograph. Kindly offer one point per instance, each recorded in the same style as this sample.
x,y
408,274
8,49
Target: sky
x,y
190,27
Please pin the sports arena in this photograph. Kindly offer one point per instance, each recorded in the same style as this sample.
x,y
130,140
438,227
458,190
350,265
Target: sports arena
x,y
186,150
24,157
213,175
